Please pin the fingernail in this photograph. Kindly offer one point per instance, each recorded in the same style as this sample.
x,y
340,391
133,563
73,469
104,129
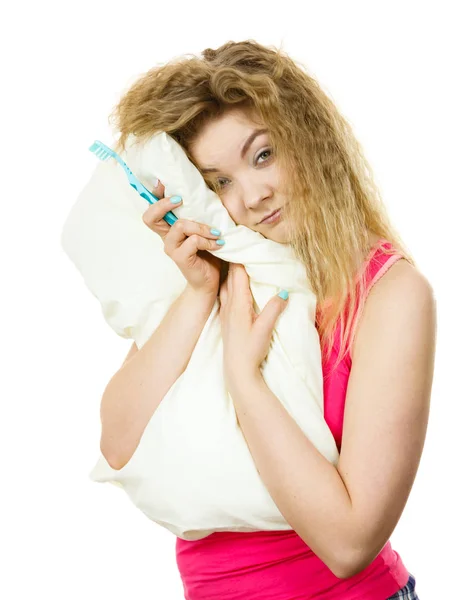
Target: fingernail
x,y
220,242
155,182
284,294
215,231
176,199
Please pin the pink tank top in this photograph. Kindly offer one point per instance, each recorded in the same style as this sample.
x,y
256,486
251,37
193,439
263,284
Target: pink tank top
x,y
278,565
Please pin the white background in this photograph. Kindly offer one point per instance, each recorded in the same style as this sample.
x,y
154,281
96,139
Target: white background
x,y
64,66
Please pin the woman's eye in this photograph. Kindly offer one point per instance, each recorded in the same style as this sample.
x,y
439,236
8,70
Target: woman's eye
x,y
220,179
219,182
264,152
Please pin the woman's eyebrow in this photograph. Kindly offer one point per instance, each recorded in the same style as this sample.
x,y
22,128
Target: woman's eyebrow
x,y
245,147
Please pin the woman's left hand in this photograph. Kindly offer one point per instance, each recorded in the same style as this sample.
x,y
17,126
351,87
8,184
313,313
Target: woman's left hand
x,y
246,335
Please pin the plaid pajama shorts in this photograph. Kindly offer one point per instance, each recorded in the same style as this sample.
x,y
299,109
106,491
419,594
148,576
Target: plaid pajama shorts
x,y
407,592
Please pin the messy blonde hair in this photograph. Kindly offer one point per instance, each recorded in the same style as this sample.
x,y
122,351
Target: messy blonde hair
x,y
334,202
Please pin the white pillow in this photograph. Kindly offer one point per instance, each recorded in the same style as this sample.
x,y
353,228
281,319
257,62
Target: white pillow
x,y
192,471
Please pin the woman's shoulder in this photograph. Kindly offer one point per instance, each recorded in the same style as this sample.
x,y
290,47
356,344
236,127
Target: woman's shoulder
x,y
399,283
401,289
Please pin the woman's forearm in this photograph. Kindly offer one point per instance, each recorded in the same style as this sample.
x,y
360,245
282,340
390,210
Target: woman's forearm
x,y
135,391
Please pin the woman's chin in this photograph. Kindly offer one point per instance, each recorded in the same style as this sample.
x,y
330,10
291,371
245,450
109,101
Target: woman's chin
x,y
277,234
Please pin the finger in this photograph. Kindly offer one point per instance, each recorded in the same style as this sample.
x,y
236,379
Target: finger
x,y
184,228
158,190
194,243
267,319
155,213
240,274
241,280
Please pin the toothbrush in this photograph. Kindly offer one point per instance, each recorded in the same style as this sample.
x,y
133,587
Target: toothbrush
x,y
102,152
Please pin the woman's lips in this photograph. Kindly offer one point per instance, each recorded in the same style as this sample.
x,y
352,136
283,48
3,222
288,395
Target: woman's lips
x,y
274,217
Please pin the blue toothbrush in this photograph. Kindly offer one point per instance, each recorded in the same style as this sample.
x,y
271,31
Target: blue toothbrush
x,y
102,152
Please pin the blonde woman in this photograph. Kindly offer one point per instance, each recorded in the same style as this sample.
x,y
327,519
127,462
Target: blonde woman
x,y
286,164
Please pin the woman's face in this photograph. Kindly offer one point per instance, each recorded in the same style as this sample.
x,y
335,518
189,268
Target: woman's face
x,y
228,152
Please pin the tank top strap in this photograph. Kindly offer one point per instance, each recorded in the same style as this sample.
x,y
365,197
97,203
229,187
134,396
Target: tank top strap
x,y
375,266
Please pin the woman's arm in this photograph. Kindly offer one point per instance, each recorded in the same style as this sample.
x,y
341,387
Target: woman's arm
x,y
135,391
347,513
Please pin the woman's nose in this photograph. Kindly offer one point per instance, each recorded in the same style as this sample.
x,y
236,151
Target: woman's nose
x,y
254,199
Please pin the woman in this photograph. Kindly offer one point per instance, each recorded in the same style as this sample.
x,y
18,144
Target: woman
x,y
267,139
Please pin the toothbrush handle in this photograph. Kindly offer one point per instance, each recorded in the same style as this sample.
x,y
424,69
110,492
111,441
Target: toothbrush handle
x,y
169,217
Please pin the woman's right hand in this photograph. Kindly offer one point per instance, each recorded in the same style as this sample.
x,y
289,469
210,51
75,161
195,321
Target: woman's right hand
x,y
186,243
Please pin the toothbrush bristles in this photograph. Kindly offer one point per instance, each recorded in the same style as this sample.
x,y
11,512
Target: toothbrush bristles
x,y
100,151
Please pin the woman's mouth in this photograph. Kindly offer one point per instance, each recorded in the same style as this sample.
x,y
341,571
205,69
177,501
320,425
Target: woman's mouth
x,y
271,218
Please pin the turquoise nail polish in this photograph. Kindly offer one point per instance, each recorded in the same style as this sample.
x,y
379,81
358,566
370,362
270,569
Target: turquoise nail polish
x,y
220,242
284,294
215,231
175,199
